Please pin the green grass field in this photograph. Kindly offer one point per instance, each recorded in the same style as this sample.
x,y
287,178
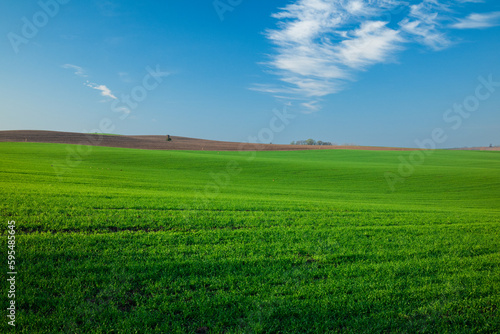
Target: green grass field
x,y
131,241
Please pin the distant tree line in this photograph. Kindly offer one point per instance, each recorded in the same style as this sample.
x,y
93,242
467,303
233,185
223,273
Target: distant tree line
x,y
311,142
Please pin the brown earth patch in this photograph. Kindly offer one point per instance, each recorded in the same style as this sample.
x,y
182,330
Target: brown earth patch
x,y
160,142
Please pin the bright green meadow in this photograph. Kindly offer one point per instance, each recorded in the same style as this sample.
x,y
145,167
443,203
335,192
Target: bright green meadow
x,y
115,240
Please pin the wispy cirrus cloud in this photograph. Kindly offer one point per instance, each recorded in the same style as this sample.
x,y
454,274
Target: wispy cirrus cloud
x,y
478,21
424,24
320,45
105,91
78,70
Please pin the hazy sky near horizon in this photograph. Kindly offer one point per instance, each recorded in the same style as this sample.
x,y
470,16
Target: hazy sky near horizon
x,y
372,72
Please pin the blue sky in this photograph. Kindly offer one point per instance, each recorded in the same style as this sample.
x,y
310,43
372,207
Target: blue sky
x,y
373,72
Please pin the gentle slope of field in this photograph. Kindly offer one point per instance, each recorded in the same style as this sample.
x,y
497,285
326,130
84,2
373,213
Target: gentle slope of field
x,y
178,143
159,142
241,242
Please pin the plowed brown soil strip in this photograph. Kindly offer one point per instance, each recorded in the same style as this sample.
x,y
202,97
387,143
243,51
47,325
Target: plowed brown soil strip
x,y
159,142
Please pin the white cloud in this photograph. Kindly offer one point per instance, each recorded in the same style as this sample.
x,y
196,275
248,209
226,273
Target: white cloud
x,y
105,91
321,44
478,21
316,50
426,34
311,106
424,24
78,70
123,110
372,43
